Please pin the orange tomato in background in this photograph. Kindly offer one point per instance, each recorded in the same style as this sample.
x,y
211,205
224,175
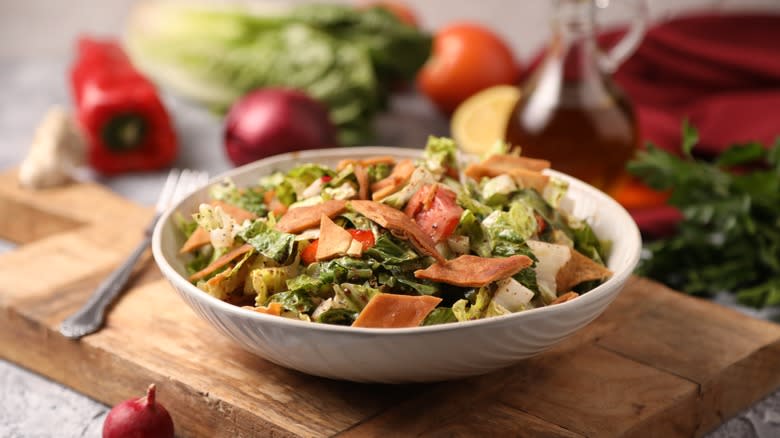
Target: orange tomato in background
x,y
635,195
466,58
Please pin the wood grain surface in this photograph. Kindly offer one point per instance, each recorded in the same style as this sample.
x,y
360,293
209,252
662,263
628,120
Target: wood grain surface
x,y
656,363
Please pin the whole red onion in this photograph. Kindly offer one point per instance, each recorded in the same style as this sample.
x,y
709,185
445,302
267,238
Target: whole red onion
x,y
271,121
139,418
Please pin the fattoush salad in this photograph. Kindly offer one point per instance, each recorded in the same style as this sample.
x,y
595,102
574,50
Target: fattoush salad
x,y
390,243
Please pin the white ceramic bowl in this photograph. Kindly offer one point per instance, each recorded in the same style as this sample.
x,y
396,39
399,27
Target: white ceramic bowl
x,y
430,353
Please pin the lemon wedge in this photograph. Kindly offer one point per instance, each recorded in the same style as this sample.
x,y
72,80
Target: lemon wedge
x,y
481,119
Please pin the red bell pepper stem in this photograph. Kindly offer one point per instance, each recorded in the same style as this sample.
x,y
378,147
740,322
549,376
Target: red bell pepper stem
x,y
119,110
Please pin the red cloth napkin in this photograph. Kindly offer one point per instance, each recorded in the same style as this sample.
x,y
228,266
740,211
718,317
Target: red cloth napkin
x,y
720,71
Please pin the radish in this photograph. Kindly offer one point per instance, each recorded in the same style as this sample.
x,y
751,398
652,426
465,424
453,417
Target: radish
x,y
271,121
139,418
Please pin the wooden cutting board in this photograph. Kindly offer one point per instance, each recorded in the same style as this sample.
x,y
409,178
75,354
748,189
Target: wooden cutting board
x,y
656,363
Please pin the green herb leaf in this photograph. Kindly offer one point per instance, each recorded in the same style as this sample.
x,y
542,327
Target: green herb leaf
x,y
729,238
690,137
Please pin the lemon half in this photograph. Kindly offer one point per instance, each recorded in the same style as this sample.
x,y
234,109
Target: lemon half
x,y
482,118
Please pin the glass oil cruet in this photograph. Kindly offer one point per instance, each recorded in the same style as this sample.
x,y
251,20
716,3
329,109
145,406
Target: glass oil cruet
x,y
570,111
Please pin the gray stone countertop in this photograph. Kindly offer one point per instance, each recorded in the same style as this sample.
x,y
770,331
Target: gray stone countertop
x,y
33,406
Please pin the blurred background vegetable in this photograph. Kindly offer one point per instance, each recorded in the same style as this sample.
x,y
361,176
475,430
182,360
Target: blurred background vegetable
x,y
272,121
120,113
343,56
466,58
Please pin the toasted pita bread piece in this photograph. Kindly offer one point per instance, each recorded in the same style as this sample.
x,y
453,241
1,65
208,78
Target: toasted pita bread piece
x,y
524,178
223,284
530,179
302,218
273,203
510,162
396,311
561,267
401,225
400,175
201,237
568,296
222,261
474,271
362,179
335,241
272,309
578,269
366,162
198,238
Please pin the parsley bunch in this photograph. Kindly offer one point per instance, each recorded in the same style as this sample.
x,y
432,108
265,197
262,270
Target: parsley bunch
x,y
729,238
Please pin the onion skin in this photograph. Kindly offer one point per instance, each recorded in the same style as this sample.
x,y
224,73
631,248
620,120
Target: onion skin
x,y
272,121
139,418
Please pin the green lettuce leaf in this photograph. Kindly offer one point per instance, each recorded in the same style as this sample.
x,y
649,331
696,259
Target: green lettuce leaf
x,y
268,241
440,315
440,153
250,199
293,301
338,316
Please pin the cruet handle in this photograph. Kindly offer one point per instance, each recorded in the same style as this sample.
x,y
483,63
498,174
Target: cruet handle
x,y
610,60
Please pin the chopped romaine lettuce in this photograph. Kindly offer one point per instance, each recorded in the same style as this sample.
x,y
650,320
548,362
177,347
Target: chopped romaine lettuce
x,y
440,154
389,250
268,241
293,301
466,311
554,191
186,227
440,315
337,317
499,147
221,226
467,198
352,296
378,172
419,179
471,227
508,229
496,191
250,199
498,220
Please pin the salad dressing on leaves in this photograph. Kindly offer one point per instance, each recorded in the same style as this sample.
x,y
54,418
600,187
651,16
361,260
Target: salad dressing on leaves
x,y
383,243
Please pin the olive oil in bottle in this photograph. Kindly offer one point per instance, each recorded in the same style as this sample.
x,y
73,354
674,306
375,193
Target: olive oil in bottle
x,y
570,111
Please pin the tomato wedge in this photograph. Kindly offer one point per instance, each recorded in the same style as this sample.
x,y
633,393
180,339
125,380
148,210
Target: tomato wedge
x,y
365,237
441,216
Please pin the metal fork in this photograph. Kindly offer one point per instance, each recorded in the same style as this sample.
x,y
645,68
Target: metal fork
x,y
91,316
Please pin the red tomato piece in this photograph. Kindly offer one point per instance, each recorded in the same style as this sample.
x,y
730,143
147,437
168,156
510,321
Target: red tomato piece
x,y
420,200
440,220
309,254
365,237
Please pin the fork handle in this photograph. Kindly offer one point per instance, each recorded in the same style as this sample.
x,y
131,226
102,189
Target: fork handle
x,y
91,316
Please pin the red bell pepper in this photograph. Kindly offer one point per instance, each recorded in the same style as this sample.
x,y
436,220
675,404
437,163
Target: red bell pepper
x,y
119,110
